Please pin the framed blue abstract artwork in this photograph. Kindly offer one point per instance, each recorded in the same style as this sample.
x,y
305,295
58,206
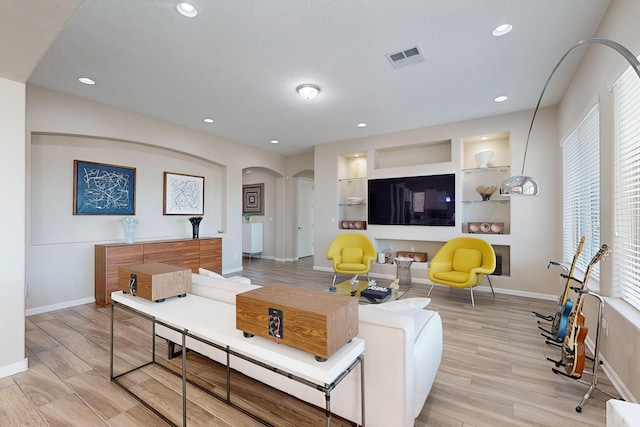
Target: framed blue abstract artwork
x,y
102,189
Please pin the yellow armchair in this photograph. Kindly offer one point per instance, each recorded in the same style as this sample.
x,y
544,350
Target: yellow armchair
x,y
461,263
351,254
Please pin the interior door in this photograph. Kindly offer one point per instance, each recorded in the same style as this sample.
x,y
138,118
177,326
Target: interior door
x,y
305,217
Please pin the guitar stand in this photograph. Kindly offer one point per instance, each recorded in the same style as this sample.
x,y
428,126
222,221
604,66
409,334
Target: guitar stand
x,y
593,384
542,316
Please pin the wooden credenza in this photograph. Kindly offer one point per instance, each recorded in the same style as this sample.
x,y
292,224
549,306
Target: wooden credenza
x,y
188,253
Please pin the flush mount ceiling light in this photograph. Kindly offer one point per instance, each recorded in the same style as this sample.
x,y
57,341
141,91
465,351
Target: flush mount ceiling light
x,y
308,91
274,141
362,125
501,98
186,9
501,30
526,185
208,120
86,80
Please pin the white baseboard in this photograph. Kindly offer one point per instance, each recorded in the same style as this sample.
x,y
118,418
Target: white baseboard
x,y
616,381
14,368
60,306
232,270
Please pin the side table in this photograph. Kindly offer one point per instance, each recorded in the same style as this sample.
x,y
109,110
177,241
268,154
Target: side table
x,y
403,270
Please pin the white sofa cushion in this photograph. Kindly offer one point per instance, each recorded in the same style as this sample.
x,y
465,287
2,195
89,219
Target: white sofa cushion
x,y
205,272
408,306
223,290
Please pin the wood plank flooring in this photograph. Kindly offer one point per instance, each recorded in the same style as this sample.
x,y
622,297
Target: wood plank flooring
x,y
494,370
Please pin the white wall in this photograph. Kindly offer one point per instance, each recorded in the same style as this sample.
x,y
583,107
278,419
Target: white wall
x,y
620,348
156,146
271,208
535,221
12,227
58,237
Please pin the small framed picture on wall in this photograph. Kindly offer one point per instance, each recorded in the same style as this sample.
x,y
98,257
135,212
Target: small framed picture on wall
x,y
183,194
253,199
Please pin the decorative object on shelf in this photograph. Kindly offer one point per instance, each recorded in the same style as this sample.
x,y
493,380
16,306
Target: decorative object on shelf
x,y
129,224
353,225
354,200
483,158
195,225
485,227
526,185
102,189
486,192
247,217
252,199
415,256
183,194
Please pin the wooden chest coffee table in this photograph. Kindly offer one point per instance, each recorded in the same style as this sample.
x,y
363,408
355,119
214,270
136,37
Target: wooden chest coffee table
x,y
316,322
154,281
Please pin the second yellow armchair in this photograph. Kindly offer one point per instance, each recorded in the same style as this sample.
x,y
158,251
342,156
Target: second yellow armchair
x,y
461,263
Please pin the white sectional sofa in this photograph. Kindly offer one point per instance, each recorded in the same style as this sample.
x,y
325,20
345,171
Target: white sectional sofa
x,y
403,349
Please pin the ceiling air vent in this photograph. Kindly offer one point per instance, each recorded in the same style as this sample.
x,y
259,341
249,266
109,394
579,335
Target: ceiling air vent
x,y
405,57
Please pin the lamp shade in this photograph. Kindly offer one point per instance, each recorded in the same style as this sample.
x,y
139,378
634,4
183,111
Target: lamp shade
x,y
525,185
521,185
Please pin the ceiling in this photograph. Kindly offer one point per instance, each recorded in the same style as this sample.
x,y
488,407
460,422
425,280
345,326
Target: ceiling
x,y
239,62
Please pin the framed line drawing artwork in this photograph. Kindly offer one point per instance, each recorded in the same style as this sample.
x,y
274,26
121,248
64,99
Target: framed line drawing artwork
x,y
103,189
253,199
183,194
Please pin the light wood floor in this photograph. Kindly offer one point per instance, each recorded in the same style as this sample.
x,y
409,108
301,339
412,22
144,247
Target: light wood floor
x,y
494,370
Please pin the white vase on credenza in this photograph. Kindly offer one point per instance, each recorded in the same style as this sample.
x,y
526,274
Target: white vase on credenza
x,y
129,224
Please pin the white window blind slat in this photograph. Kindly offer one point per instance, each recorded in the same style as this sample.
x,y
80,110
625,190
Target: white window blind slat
x,y
581,189
626,259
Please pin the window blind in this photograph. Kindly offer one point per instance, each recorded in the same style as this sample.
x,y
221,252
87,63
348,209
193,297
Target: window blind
x,y
626,249
581,190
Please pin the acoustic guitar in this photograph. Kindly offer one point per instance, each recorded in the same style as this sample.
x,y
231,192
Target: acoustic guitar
x,y
565,305
573,349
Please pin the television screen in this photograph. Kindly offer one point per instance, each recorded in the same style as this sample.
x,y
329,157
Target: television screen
x,y
416,200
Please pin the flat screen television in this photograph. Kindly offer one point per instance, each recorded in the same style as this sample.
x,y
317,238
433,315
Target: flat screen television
x,y
415,200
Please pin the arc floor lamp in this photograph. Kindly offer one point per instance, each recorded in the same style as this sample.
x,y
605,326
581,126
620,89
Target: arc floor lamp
x,y
526,185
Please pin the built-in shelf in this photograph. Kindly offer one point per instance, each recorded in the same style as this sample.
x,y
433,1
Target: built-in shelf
x,y
485,201
352,182
497,209
413,155
360,178
487,169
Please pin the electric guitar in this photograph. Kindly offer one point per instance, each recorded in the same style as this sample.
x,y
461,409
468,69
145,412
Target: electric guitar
x,y
573,349
565,305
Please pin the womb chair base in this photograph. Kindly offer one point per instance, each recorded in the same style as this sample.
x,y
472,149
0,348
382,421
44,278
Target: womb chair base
x,y
473,304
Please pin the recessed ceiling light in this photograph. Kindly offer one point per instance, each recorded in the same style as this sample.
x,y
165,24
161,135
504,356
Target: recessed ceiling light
x,y
362,125
186,9
501,98
501,30
208,120
86,80
274,141
484,138
308,90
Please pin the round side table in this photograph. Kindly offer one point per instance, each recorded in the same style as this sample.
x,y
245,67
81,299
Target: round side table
x,y
403,270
